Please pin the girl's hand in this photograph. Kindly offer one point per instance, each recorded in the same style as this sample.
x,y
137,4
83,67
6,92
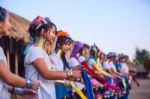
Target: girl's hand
x,y
36,85
30,94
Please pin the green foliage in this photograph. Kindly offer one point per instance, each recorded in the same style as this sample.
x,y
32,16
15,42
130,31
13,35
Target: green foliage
x,y
141,55
136,62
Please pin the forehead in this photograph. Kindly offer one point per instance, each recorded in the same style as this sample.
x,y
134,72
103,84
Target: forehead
x,y
85,48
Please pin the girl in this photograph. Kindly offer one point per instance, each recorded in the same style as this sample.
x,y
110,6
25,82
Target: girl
x,y
93,63
38,66
60,59
124,70
6,77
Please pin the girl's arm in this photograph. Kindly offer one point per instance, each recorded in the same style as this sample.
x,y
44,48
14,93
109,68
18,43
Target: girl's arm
x,y
10,78
14,80
40,65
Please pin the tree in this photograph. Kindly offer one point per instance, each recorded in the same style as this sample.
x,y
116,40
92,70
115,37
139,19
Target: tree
x,y
135,62
142,55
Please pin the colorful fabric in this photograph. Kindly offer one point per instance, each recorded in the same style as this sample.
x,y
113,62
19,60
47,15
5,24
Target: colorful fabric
x,y
62,91
62,34
88,85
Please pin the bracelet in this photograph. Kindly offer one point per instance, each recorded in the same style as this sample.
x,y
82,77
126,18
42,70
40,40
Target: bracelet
x,y
78,79
18,91
29,83
69,74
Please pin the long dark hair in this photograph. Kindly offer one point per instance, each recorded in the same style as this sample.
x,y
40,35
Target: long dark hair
x,y
65,62
3,14
60,42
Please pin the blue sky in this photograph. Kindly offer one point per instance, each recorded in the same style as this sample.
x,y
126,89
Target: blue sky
x,y
114,25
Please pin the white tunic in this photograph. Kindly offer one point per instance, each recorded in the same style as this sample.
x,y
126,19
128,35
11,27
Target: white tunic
x,y
125,67
109,65
113,66
73,62
3,86
90,62
47,89
58,62
106,65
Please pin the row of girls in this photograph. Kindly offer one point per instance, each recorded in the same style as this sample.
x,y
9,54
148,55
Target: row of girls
x,y
57,67
40,72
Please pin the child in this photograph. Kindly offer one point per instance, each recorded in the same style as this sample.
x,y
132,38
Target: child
x,y
6,77
38,65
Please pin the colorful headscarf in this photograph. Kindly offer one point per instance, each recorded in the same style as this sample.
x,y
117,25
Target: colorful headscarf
x,y
77,47
62,38
62,34
37,24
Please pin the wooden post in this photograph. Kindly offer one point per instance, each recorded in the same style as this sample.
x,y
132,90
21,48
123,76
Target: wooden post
x,y
16,59
16,66
8,54
16,63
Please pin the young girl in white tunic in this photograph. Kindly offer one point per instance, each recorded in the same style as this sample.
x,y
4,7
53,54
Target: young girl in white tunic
x,y
8,79
60,60
37,63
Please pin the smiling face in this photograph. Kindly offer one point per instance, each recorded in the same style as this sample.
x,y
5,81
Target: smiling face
x,y
50,36
86,52
66,46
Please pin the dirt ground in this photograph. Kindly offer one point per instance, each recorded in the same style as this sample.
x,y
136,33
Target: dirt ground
x,y
142,92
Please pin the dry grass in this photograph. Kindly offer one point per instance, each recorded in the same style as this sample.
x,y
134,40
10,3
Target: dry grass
x,y
19,26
